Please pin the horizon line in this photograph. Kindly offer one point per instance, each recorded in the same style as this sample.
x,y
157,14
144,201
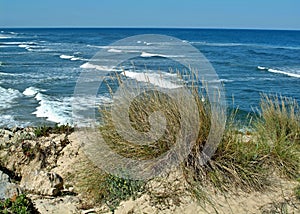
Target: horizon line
x,y
145,27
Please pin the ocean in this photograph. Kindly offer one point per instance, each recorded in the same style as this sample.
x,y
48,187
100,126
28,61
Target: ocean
x,y
39,68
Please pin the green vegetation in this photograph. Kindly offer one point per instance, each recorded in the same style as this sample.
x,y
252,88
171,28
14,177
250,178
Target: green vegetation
x,y
101,188
44,131
18,205
120,189
245,160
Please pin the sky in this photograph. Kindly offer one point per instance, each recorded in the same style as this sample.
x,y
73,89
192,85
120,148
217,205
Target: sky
x,y
253,14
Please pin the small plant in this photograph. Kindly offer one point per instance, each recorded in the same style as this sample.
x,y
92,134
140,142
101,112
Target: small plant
x,y
28,150
62,129
17,205
42,131
118,189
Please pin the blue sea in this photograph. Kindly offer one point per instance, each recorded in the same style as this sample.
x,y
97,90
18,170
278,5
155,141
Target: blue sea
x,y
39,68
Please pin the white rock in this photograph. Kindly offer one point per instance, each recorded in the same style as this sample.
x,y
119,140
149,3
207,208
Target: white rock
x,y
44,183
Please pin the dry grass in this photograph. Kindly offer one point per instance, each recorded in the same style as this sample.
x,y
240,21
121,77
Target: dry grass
x,y
239,161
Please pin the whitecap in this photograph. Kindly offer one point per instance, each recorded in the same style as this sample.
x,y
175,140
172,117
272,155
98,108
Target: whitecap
x,y
262,68
8,97
161,79
285,71
5,37
66,56
55,110
146,55
31,91
98,67
112,50
288,73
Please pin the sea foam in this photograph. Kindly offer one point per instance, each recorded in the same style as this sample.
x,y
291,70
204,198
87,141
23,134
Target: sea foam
x,y
161,79
287,71
8,97
31,91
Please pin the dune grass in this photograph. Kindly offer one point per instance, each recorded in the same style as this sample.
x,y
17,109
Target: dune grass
x,y
245,160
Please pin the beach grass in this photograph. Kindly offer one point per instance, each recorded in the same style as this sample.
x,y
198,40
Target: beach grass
x,y
244,159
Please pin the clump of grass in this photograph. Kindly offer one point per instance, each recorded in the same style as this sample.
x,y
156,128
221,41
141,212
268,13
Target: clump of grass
x,y
42,131
243,160
280,119
19,204
248,160
278,126
237,162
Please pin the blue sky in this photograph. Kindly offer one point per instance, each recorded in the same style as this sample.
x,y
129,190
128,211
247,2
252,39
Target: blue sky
x,y
262,14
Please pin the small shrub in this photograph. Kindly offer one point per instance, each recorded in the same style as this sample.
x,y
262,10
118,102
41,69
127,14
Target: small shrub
x,y
42,131
62,129
18,205
119,189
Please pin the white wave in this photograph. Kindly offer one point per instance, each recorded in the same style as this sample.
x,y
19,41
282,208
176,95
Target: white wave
x,y
75,58
157,79
12,43
262,68
286,71
112,50
8,35
55,110
18,43
98,67
8,97
8,74
221,80
10,122
23,46
60,110
5,37
145,54
31,91
30,46
72,58
66,56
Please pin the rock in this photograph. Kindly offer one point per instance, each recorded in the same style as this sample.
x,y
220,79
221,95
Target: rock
x,y
15,129
61,205
90,211
7,189
44,183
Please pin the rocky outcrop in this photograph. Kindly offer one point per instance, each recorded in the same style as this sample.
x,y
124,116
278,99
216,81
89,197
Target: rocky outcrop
x,y
43,183
34,161
59,205
7,188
